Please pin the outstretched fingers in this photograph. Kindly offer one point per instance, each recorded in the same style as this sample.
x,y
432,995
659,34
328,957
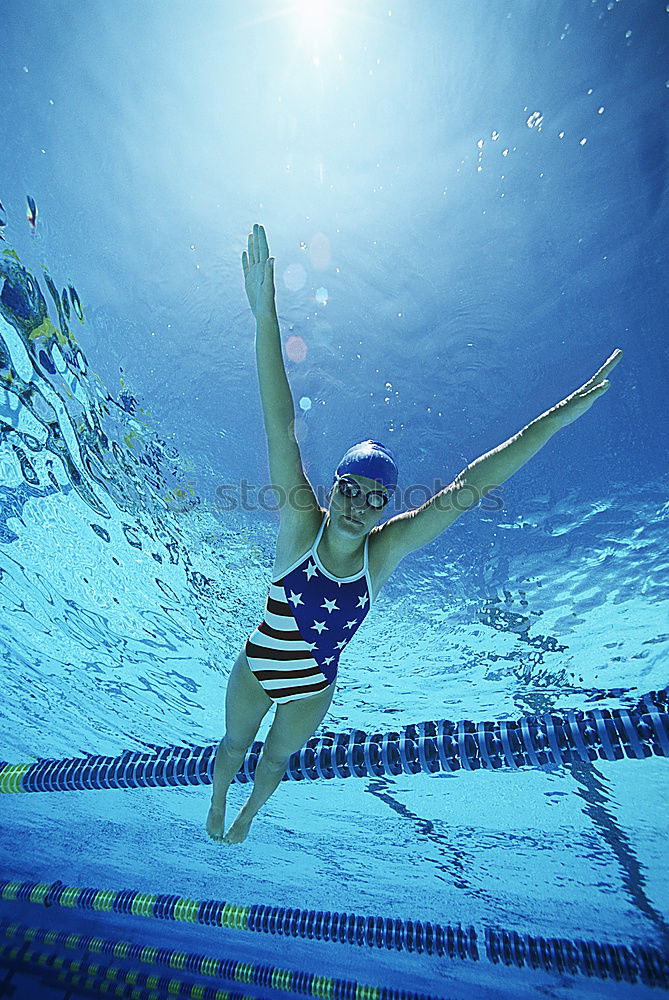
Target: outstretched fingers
x,y
607,367
258,251
263,249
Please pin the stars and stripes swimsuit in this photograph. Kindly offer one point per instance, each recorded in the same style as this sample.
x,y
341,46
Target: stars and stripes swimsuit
x,y
310,617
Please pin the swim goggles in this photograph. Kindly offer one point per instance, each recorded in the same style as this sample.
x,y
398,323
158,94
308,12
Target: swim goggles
x,y
349,488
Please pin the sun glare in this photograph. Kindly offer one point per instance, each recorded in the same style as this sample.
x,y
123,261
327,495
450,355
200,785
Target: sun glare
x,y
314,17
315,23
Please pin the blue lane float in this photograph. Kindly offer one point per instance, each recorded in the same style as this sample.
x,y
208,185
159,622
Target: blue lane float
x,y
544,741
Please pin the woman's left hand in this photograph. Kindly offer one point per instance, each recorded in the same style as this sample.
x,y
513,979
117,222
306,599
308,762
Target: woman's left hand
x,y
575,405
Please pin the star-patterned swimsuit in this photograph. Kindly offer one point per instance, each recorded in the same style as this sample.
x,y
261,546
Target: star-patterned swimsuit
x,y
310,617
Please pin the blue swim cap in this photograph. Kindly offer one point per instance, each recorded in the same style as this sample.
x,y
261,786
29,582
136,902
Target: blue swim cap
x,y
371,459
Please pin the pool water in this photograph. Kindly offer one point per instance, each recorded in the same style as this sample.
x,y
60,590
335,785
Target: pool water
x,y
468,209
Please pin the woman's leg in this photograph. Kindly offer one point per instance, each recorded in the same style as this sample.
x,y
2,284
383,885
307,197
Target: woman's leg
x,y
246,704
294,723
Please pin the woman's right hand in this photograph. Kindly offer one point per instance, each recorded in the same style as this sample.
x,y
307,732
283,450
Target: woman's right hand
x,y
259,274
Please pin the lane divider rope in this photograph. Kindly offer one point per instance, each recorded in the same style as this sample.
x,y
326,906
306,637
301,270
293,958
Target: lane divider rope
x,y
249,973
545,741
591,958
96,980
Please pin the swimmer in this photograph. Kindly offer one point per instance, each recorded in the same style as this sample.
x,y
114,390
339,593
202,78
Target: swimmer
x,y
332,562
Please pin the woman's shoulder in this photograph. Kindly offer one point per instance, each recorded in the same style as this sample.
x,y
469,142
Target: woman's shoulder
x,y
382,559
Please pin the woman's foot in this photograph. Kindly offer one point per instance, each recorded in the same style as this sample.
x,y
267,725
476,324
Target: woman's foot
x,y
240,828
216,820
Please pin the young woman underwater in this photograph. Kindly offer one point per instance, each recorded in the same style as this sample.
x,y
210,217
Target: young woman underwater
x,y
331,563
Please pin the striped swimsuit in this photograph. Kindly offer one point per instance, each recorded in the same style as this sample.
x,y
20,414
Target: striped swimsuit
x,y
310,616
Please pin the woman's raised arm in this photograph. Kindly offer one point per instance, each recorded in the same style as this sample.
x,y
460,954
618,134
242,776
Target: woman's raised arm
x,y
285,462
277,399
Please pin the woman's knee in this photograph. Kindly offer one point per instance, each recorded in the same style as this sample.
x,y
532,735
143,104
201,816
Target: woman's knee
x,y
235,744
276,750
274,760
